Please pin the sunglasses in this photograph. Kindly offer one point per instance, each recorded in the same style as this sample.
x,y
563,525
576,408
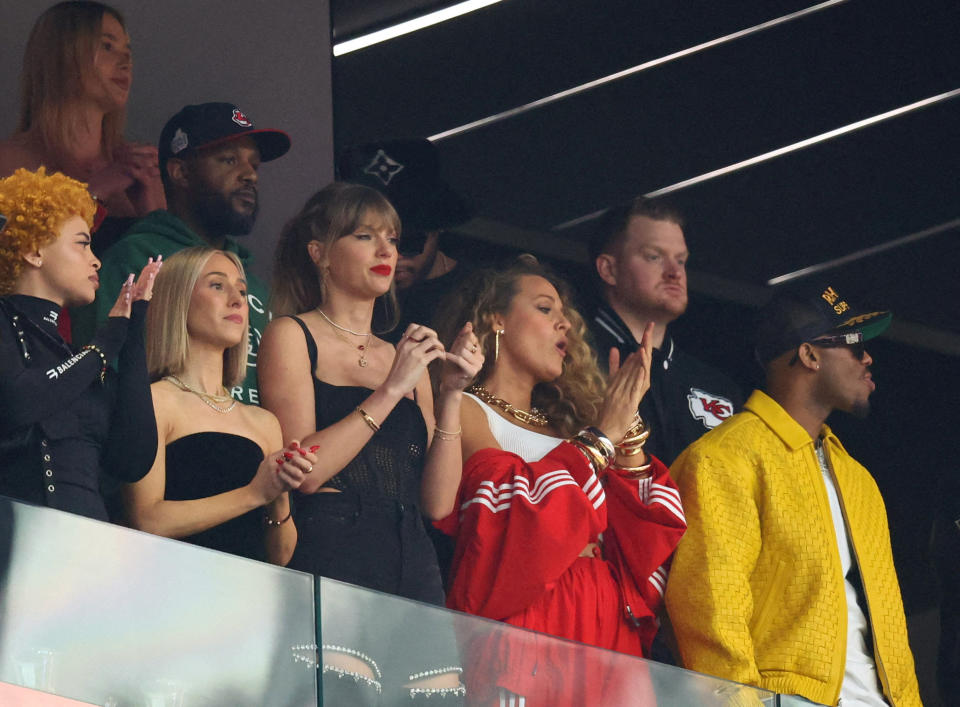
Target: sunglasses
x,y
412,243
854,341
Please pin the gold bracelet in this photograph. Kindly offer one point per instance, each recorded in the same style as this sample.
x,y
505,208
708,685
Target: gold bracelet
x,y
371,423
276,523
633,441
447,436
592,449
636,472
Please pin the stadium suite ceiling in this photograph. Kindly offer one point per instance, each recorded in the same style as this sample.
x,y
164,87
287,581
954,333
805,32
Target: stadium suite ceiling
x,y
838,63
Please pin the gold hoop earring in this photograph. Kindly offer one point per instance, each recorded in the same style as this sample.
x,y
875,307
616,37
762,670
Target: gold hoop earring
x,y
496,344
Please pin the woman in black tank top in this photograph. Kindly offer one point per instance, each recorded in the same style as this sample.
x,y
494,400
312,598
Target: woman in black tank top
x,y
385,458
217,480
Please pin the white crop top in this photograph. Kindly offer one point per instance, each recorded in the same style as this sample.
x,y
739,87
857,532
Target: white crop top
x,y
529,445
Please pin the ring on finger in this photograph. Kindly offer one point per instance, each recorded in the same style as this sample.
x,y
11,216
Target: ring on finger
x,y
309,470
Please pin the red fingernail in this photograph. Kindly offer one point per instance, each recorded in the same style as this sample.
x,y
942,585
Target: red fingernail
x,y
303,452
288,455
314,448
279,460
295,445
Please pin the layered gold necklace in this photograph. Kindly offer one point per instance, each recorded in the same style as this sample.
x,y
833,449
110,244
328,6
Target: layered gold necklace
x,y
210,399
534,416
362,348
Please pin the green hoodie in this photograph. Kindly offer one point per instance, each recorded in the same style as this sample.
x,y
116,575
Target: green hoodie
x,y
162,233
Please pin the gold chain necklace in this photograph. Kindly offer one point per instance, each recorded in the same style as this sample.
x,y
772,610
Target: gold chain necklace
x,y
210,399
362,348
534,417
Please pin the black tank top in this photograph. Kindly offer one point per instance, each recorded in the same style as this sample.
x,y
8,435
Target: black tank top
x,y
390,465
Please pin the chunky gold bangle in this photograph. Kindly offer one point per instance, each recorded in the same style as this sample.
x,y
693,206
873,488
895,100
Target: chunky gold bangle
x,y
371,423
447,436
636,472
633,441
276,523
594,450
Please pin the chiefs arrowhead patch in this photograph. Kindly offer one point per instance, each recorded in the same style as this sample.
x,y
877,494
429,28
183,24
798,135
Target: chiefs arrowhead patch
x,y
240,119
710,409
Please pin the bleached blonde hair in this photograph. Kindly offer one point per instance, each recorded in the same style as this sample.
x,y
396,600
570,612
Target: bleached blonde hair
x,y
168,343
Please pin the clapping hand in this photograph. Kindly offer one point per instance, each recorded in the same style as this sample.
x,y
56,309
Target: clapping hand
x,y
137,289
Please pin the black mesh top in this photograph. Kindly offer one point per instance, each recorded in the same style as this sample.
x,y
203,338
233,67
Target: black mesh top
x,y
390,465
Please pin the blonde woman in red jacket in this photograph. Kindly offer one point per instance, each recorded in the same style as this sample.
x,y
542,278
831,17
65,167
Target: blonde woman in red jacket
x,y
556,529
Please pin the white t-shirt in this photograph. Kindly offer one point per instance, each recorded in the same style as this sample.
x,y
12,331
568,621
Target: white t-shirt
x,y
861,687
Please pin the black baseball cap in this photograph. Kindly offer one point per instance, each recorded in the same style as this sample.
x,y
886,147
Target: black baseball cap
x,y
209,124
814,310
407,172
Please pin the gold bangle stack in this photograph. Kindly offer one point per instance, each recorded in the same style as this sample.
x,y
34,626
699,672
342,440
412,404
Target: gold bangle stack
x,y
631,445
633,441
595,446
371,423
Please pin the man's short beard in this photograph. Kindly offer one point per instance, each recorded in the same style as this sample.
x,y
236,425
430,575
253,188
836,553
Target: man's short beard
x,y
860,409
218,218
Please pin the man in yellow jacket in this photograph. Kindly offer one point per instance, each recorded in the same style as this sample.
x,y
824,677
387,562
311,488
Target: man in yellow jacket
x,y
785,578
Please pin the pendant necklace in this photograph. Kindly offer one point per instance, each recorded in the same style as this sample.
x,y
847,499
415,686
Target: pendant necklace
x,y
362,348
210,399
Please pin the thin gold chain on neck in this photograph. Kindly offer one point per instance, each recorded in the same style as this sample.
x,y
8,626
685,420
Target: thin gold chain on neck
x,y
210,399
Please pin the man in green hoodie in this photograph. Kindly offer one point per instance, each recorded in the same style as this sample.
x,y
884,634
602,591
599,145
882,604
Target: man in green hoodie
x,y
209,158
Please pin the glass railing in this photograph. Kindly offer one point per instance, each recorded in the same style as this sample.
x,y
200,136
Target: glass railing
x,y
112,616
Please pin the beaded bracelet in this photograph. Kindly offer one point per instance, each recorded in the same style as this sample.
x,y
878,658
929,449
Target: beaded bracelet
x,y
371,423
103,360
275,523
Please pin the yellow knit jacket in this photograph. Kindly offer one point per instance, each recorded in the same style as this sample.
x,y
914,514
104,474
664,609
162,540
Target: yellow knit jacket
x,y
756,593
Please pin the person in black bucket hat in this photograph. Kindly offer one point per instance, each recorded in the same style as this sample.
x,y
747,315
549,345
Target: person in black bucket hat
x,y
785,577
407,172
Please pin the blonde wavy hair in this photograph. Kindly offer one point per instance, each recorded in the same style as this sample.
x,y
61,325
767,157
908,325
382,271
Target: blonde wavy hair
x,y
36,205
332,213
59,52
168,343
570,401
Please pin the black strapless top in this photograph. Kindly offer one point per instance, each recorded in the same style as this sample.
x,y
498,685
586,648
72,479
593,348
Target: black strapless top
x,y
205,464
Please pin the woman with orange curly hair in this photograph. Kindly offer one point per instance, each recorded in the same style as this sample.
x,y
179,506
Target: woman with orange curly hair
x,y
557,528
66,414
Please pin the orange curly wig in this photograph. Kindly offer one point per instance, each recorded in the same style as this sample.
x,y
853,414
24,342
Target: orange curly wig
x,y
36,204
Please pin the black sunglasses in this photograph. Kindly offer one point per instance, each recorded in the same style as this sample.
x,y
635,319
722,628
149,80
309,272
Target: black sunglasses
x,y
854,340
412,243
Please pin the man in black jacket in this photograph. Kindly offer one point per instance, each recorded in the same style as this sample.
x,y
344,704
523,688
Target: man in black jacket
x,y
640,254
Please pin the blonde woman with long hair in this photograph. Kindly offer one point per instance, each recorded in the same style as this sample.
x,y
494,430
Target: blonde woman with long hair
x,y
221,475
75,82
563,524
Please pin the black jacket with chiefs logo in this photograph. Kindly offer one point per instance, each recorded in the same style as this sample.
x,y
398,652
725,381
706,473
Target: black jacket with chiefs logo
x,y
686,397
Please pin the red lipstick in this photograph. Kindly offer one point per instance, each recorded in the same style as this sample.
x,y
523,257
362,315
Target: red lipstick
x,y
382,269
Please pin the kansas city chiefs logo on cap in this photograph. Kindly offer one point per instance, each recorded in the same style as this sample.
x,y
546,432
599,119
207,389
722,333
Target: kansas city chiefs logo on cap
x,y
240,119
710,409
